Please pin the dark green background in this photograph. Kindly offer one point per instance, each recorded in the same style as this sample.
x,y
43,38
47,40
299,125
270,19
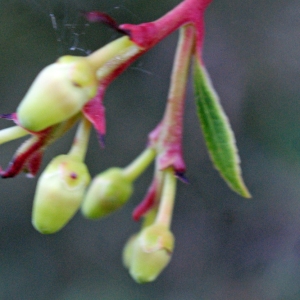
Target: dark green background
x,y
226,247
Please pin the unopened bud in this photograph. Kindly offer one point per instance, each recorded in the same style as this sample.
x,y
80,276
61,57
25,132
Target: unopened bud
x,y
109,191
59,193
149,253
59,92
128,251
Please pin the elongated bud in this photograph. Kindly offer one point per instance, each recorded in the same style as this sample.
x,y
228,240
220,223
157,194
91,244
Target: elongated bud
x,y
149,253
59,193
109,191
59,92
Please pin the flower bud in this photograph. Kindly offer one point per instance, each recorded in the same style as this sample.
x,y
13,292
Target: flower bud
x,y
128,251
59,193
59,92
108,192
149,253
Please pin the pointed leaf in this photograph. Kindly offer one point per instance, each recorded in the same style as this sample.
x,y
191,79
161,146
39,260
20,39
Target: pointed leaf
x,y
217,132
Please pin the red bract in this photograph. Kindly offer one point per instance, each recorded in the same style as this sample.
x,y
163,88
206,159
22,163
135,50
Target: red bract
x,y
94,111
100,17
148,202
28,157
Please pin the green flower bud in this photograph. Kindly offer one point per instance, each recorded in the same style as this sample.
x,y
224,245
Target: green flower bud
x,y
59,193
149,253
129,250
59,92
109,191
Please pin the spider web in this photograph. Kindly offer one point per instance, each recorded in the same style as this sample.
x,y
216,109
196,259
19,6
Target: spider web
x,y
70,28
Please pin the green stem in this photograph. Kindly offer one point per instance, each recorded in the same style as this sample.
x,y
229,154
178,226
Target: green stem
x,y
149,218
62,128
12,133
139,165
166,205
112,51
80,143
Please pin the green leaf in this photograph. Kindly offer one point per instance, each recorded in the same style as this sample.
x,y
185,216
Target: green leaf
x,y
218,134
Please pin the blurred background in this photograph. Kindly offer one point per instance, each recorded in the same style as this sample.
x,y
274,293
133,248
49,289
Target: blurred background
x,y
227,247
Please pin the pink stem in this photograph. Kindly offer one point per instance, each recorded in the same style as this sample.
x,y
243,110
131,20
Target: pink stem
x,y
167,137
147,35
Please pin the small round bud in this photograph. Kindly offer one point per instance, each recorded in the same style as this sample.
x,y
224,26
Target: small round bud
x,y
109,191
59,193
59,92
149,253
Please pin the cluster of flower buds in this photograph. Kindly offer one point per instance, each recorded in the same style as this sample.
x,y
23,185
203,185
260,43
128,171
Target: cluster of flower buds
x,y
72,89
